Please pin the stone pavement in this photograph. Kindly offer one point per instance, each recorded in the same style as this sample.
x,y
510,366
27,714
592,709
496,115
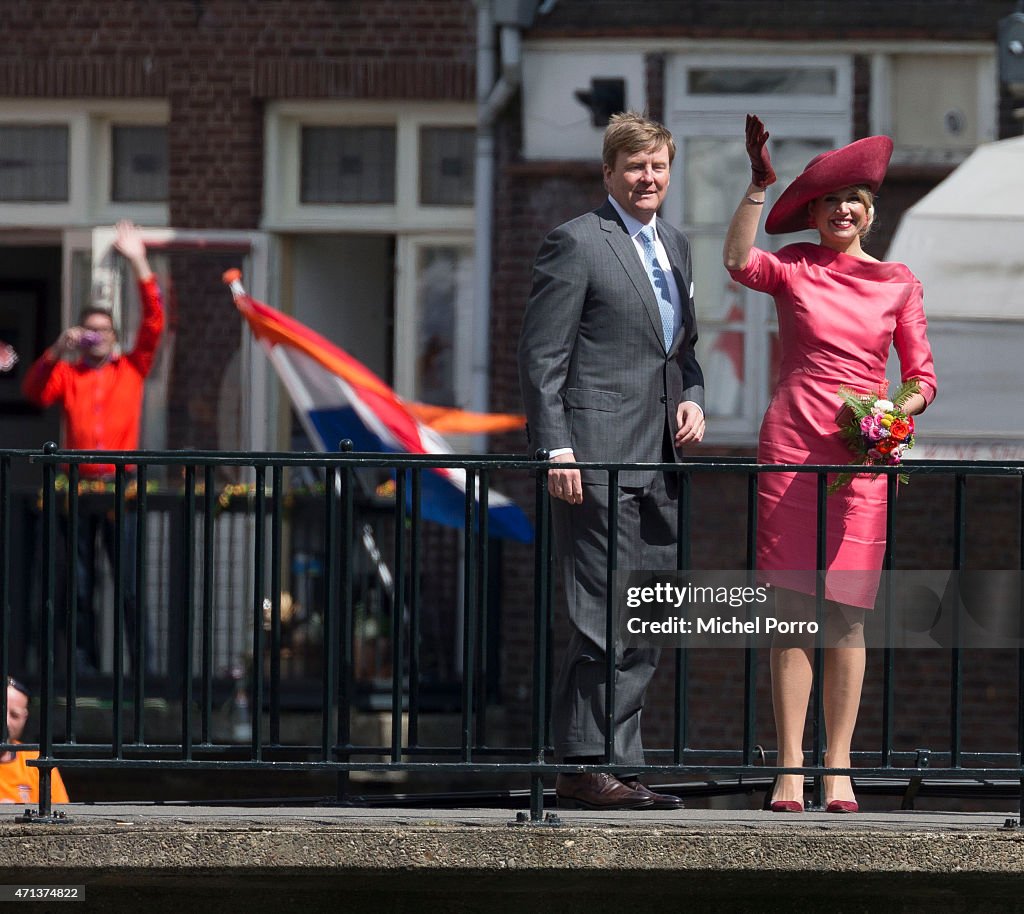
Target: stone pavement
x,y
171,857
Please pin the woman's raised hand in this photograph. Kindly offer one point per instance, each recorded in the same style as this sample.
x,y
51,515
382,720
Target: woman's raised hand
x,y
762,173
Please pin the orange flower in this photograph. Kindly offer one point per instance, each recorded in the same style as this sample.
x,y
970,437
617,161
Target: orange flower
x,y
899,429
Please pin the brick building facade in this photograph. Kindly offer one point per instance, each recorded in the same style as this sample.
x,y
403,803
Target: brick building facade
x,y
234,82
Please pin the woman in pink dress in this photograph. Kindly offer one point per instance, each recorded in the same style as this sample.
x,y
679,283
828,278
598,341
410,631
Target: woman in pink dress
x,y
840,311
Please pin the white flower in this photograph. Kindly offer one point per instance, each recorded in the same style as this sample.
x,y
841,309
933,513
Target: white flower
x,y
881,407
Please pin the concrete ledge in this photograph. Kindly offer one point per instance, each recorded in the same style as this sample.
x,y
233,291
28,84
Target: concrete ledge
x,y
224,856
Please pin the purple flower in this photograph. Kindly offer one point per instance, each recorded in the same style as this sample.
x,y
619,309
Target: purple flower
x,y
872,429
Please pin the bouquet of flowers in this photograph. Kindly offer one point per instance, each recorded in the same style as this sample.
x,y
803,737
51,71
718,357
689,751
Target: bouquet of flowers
x,y
879,432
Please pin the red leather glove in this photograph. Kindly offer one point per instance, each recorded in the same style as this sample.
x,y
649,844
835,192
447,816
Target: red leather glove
x,y
761,171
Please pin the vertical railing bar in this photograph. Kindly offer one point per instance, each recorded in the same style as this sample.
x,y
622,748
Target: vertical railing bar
x,y
5,571
397,610
259,586
330,637
469,611
209,517
480,645
117,715
541,637
610,615
550,578
47,633
188,553
956,658
1020,650
141,603
415,559
750,656
821,568
277,484
74,520
345,626
680,684
888,653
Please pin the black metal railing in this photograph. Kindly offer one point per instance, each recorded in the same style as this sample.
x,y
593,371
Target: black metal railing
x,y
227,647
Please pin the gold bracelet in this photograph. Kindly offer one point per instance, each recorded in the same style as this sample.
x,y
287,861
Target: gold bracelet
x,y
750,199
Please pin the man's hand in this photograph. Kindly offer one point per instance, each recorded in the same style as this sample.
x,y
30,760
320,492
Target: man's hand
x,y
70,341
565,484
129,242
761,171
690,421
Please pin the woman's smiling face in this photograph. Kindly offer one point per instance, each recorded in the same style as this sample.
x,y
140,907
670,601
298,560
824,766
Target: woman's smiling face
x,y
842,217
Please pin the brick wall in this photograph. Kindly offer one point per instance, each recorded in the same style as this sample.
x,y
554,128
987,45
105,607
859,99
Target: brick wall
x,y
218,61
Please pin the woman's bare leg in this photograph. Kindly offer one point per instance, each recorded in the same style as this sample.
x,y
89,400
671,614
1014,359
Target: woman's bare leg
x,y
843,682
792,674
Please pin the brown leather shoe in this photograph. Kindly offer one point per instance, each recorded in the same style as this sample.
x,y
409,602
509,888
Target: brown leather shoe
x,y
597,791
658,800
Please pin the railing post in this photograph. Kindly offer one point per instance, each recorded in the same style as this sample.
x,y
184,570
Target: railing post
x,y
276,507
117,720
46,670
468,617
956,656
541,623
259,591
188,550
821,560
609,616
681,680
750,654
888,653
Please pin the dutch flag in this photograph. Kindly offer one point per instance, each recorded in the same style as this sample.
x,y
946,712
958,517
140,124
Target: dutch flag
x,y
337,397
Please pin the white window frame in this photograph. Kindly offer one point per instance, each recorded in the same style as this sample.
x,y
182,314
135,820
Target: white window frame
x,y
105,208
282,208
413,224
89,162
692,116
258,379
406,350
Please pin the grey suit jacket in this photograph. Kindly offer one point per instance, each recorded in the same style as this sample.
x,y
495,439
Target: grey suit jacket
x,y
592,363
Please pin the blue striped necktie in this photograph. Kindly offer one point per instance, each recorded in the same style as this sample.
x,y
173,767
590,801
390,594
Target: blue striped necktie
x,y
659,281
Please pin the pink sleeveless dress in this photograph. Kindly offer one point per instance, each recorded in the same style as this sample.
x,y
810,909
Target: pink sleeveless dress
x,y
838,317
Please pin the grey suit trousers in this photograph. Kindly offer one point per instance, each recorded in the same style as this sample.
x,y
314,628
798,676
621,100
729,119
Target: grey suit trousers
x,y
646,541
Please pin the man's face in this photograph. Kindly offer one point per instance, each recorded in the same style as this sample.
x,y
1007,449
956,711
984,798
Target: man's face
x,y
102,341
638,181
17,713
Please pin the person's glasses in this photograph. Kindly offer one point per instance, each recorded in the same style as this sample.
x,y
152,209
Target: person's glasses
x,y
18,686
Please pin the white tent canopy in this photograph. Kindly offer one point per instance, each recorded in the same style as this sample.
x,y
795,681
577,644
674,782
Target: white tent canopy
x,y
965,239
965,242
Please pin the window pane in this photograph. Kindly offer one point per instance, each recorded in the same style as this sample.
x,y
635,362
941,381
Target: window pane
x,y
790,158
444,279
715,172
446,165
348,165
33,163
140,164
761,81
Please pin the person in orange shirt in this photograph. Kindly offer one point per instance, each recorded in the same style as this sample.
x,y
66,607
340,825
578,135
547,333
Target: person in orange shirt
x,y
101,392
19,782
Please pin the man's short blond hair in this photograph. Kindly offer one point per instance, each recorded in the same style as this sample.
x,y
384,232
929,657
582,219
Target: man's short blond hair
x,y
630,133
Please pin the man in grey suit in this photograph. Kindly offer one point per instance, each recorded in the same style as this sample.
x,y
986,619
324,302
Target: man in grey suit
x,y
608,373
